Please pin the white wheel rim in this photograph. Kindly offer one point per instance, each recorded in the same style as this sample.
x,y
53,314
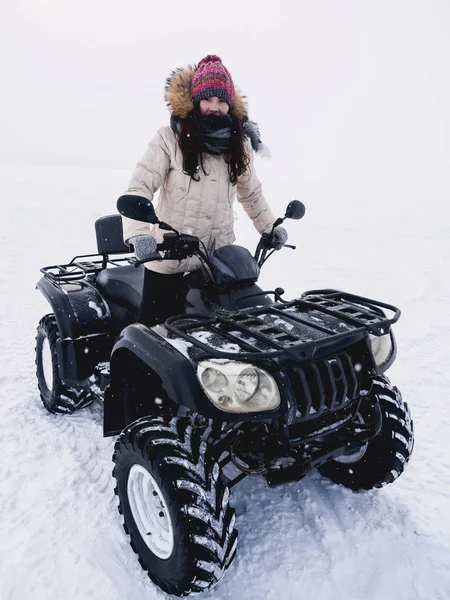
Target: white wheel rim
x,y
352,457
47,364
150,512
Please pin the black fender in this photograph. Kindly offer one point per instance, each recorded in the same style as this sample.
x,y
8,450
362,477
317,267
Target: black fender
x,y
167,370
83,318
172,372
79,308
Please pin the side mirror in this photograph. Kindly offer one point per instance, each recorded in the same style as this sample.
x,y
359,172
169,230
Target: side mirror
x,y
295,210
137,208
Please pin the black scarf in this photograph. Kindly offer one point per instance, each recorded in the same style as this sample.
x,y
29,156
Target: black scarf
x,y
251,130
216,132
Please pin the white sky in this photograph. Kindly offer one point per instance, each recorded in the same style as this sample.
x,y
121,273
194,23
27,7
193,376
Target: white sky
x,y
344,91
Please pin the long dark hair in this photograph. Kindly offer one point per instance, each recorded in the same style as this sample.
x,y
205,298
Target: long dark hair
x,y
191,146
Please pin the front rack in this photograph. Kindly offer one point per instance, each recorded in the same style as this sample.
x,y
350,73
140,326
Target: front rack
x,y
284,329
356,310
82,265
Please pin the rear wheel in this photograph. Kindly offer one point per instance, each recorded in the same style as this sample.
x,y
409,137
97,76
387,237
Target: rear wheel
x,y
383,458
174,504
55,395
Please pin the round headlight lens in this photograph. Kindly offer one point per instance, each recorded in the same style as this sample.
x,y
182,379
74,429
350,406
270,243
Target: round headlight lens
x,y
246,384
214,380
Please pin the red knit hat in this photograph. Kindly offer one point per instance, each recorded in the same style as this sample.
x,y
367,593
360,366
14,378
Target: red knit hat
x,y
212,79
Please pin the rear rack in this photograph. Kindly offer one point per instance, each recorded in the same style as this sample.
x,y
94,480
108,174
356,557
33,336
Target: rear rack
x,y
82,265
285,329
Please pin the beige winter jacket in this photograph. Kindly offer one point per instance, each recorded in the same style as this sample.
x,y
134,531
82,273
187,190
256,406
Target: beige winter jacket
x,y
203,208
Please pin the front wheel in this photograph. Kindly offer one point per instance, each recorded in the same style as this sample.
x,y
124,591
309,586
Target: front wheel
x,y
174,505
383,458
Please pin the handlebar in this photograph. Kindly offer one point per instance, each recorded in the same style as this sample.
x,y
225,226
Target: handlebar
x,y
266,247
175,246
178,246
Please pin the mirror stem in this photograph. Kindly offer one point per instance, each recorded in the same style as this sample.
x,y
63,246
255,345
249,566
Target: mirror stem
x,y
277,222
167,227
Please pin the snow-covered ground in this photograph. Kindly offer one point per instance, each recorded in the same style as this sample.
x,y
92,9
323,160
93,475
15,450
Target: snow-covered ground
x,y
60,532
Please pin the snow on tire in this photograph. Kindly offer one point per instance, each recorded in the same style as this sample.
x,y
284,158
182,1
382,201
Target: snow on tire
x,y
387,453
55,395
164,470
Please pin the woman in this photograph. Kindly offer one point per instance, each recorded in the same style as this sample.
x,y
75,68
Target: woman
x,y
200,163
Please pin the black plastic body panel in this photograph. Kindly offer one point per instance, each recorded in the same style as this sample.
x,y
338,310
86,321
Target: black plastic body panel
x,y
206,300
78,358
84,323
179,380
232,265
79,308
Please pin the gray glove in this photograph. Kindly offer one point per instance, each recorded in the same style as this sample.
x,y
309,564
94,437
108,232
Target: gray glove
x,y
144,246
279,237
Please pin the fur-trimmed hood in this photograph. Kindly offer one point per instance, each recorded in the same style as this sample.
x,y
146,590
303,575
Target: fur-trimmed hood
x,y
178,96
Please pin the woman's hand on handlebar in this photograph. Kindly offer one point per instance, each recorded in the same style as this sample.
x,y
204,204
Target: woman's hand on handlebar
x,y
279,237
276,239
175,246
145,247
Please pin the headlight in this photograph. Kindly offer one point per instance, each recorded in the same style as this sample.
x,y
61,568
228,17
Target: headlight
x,y
238,387
381,347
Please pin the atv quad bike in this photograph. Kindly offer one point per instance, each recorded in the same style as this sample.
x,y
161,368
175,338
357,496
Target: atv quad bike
x,y
241,383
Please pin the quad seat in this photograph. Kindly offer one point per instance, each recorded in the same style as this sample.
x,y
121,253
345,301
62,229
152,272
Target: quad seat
x,y
123,286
